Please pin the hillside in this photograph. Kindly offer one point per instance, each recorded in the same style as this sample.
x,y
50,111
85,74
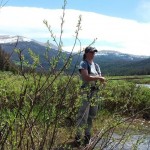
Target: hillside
x,y
138,67
10,44
111,62
125,64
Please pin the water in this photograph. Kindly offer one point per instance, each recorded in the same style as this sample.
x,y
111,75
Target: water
x,y
145,85
117,142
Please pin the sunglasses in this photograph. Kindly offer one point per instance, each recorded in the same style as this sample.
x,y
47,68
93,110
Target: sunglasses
x,y
92,52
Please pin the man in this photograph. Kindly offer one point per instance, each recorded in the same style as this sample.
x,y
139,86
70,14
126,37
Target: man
x,y
90,74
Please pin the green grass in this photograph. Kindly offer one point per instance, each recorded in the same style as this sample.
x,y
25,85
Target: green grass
x,y
35,107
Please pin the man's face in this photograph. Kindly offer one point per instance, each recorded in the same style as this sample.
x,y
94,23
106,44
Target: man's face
x,y
91,55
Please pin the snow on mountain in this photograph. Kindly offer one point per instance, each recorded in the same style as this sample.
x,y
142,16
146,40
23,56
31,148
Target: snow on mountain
x,y
119,54
7,39
13,39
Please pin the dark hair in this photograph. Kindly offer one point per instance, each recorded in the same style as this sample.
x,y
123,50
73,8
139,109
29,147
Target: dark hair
x,y
84,56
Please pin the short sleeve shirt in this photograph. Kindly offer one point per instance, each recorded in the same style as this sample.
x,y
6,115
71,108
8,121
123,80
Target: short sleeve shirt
x,y
93,72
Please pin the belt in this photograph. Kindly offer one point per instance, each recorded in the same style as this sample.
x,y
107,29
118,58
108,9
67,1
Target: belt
x,y
92,88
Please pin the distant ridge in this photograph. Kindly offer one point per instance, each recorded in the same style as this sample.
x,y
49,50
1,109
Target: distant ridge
x,y
111,62
120,53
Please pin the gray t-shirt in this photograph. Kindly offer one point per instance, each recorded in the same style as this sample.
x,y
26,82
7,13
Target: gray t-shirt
x,y
94,70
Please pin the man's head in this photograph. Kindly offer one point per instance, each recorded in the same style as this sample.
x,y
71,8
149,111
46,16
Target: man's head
x,y
89,53
90,49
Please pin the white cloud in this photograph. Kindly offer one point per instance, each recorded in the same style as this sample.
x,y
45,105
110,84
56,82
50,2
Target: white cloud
x,y
113,33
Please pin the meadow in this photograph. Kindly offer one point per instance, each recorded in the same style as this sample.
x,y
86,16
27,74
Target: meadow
x,y
38,111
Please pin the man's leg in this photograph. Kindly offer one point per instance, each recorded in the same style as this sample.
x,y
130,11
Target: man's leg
x,y
82,119
91,116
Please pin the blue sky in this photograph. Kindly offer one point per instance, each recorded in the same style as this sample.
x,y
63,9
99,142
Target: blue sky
x,y
122,25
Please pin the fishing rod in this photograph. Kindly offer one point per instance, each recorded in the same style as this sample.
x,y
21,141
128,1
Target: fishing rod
x,y
129,78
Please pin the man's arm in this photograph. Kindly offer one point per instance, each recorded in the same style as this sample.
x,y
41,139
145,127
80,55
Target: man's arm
x,y
87,77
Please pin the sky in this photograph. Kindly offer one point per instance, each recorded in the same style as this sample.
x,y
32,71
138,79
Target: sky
x,y
121,25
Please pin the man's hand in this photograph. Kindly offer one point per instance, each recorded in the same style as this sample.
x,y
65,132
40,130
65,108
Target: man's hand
x,y
102,79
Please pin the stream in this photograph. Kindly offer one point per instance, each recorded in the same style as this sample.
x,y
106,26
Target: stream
x,y
135,142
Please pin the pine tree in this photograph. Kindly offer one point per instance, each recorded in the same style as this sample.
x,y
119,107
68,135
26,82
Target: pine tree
x,y
5,63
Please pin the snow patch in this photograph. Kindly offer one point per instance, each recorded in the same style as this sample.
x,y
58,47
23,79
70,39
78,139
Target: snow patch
x,y
13,39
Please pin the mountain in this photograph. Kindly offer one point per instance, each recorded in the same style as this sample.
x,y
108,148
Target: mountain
x,y
116,63
10,43
111,62
138,67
